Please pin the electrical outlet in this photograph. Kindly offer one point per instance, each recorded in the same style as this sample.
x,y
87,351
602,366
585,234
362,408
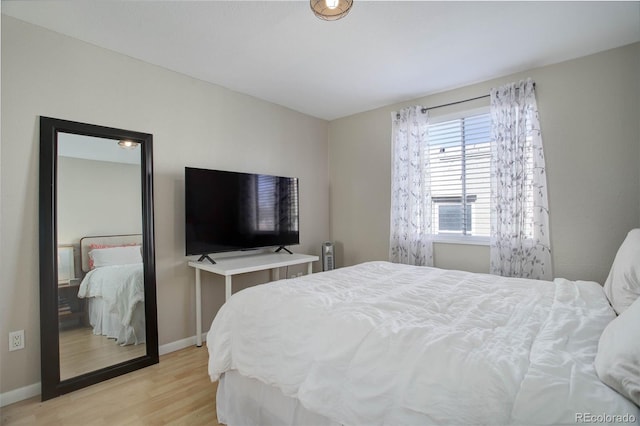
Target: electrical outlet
x,y
16,340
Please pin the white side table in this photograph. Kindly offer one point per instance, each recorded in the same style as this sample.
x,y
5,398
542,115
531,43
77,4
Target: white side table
x,y
230,266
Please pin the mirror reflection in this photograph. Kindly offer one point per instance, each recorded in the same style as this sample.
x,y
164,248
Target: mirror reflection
x,y
100,269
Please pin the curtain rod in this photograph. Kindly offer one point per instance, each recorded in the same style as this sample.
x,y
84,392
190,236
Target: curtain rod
x,y
454,103
423,110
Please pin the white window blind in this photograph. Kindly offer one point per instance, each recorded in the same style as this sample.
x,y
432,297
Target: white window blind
x,y
277,207
459,153
267,198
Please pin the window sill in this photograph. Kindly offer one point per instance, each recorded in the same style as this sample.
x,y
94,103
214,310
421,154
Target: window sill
x,y
459,239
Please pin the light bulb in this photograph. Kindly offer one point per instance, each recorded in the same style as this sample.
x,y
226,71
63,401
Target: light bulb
x,y
332,4
128,144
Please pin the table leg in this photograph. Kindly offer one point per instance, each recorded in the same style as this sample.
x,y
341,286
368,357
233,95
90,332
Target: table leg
x,y
227,287
309,268
198,310
275,274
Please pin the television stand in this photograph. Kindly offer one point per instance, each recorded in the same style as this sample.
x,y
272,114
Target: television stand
x,y
283,248
206,256
231,266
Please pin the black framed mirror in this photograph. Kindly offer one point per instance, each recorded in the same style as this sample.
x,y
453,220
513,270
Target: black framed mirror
x,y
98,312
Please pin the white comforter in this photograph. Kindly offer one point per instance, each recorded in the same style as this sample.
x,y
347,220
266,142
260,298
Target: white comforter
x,y
120,286
382,343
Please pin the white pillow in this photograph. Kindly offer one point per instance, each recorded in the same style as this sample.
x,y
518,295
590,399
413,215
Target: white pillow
x,y
618,359
115,256
623,283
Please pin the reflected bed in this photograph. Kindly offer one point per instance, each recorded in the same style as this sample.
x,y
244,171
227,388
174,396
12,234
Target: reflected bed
x,y
114,287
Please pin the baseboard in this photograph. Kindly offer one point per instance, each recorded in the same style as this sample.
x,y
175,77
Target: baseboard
x,y
179,344
30,391
20,394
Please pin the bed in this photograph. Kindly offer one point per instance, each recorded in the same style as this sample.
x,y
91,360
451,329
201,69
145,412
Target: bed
x,y
383,343
113,286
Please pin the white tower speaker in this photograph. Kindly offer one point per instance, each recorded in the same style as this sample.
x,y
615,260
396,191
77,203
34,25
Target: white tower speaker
x,y
328,261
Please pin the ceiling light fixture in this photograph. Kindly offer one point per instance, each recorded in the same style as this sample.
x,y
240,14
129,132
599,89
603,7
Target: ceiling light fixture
x,y
331,10
128,144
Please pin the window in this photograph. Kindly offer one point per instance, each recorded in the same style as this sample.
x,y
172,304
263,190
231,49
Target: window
x,y
450,217
460,155
277,203
266,194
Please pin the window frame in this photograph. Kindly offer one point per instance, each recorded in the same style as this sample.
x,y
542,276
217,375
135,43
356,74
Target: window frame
x,y
453,238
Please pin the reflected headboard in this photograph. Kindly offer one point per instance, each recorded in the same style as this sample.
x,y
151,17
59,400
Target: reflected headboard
x,y
88,243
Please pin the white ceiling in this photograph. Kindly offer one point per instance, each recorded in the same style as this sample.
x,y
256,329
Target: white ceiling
x,y
383,52
96,148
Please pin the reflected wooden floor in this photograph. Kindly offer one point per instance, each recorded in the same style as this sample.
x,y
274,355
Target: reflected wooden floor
x,y
177,391
81,351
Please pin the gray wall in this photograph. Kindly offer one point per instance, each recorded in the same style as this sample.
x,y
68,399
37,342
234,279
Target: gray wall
x,y
193,124
84,210
589,112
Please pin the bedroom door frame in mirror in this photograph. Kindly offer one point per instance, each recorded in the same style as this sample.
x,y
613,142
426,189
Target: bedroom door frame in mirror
x,y
51,384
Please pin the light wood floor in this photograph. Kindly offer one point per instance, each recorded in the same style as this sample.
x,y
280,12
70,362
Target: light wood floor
x,y
177,391
82,351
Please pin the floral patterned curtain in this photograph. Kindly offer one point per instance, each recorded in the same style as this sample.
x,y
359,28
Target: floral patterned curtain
x,y
410,239
520,243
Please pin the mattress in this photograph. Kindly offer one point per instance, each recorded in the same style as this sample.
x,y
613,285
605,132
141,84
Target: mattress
x,y
382,343
244,401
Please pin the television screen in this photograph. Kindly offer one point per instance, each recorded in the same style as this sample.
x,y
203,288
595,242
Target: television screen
x,y
227,211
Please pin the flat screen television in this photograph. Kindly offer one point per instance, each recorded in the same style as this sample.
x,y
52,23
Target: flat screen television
x,y
230,211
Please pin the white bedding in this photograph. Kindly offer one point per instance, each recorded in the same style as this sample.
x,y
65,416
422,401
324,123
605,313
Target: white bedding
x,y
382,343
120,291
